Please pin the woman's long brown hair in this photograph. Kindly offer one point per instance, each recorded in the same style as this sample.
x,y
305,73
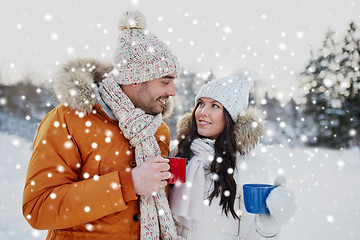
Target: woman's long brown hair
x,y
225,148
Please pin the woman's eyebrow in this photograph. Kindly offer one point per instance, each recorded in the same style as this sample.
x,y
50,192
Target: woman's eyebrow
x,y
214,101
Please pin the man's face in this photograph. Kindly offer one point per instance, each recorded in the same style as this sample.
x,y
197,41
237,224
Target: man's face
x,y
152,95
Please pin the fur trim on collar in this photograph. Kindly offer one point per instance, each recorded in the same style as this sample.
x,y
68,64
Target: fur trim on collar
x,y
248,129
76,81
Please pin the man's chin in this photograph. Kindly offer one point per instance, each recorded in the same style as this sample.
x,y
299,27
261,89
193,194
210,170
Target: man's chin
x,y
155,111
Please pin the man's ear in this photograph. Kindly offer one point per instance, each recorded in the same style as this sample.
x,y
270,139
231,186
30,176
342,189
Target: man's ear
x,y
133,86
130,89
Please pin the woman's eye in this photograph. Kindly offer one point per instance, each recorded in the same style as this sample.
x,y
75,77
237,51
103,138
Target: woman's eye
x,y
216,106
201,104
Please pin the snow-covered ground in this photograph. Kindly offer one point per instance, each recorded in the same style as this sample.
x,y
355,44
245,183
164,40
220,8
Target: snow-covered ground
x,y
324,181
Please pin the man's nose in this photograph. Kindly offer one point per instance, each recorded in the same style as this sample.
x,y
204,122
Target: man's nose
x,y
171,91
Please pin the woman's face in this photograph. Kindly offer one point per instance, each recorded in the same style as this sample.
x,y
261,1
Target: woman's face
x,y
210,119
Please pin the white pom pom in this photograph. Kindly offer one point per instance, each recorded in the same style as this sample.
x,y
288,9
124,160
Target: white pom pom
x,y
244,74
132,20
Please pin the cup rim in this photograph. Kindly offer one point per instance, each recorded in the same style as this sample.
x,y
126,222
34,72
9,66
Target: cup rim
x,y
258,185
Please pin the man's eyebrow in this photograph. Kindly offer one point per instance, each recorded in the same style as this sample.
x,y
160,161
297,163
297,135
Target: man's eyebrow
x,y
169,76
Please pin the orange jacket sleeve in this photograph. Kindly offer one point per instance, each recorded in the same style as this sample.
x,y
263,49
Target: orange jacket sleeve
x,y
53,196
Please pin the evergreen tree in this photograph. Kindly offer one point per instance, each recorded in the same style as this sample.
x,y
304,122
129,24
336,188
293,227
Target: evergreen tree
x,y
274,115
331,109
317,81
350,73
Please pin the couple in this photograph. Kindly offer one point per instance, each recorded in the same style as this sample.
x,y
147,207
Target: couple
x,y
97,170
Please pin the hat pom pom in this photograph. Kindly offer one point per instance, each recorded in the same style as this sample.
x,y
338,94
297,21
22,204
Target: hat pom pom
x,y
244,74
132,20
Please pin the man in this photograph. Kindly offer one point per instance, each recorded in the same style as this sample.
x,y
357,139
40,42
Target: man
x,y
97,170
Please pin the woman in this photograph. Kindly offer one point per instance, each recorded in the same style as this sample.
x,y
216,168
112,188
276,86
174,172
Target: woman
x,y
218,138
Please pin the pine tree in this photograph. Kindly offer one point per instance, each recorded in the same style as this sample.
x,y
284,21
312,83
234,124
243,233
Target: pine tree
x,y
350,73
331,109
274,115
318,82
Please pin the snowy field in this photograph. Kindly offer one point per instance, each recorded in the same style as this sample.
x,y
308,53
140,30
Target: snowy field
x,y
324,181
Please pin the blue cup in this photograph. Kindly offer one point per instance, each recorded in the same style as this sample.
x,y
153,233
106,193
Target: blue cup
x,y
255,197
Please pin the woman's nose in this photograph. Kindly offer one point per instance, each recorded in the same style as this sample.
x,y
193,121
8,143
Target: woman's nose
x,y
204,111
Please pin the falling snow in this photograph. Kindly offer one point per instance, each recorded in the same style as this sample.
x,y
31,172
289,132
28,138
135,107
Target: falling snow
x,y
320,185
87,209
327,204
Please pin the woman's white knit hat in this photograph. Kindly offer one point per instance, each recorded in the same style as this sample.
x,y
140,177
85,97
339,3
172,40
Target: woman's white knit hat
x,y
139,55
231,92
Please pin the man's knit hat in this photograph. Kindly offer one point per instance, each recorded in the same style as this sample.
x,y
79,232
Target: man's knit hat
x,y
231,92
140,56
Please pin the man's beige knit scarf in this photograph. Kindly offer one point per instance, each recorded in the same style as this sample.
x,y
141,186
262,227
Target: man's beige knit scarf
x,y
139,128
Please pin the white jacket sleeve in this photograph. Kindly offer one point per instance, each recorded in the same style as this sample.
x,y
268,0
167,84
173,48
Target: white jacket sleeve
x,y
281,205
253,168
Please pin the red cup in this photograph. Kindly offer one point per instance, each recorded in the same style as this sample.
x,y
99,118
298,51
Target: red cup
x,y
177,170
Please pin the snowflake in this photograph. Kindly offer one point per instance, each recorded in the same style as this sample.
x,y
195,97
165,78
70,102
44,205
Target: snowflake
x,y
352,132
60,168
227,29
330,218
54,36
161,212
114,185
15,142
89,227
300,35
35,233
52,195
3,101
48,17
68,144
70,50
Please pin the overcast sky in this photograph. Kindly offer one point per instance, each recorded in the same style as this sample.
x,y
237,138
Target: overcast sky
x,y
272,38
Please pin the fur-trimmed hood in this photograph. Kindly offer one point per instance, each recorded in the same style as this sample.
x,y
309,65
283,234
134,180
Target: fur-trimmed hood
x,y
248,128
76,81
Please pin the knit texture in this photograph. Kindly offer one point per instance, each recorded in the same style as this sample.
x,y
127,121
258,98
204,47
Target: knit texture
x,y
190,209
139,55
139,128
231,92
